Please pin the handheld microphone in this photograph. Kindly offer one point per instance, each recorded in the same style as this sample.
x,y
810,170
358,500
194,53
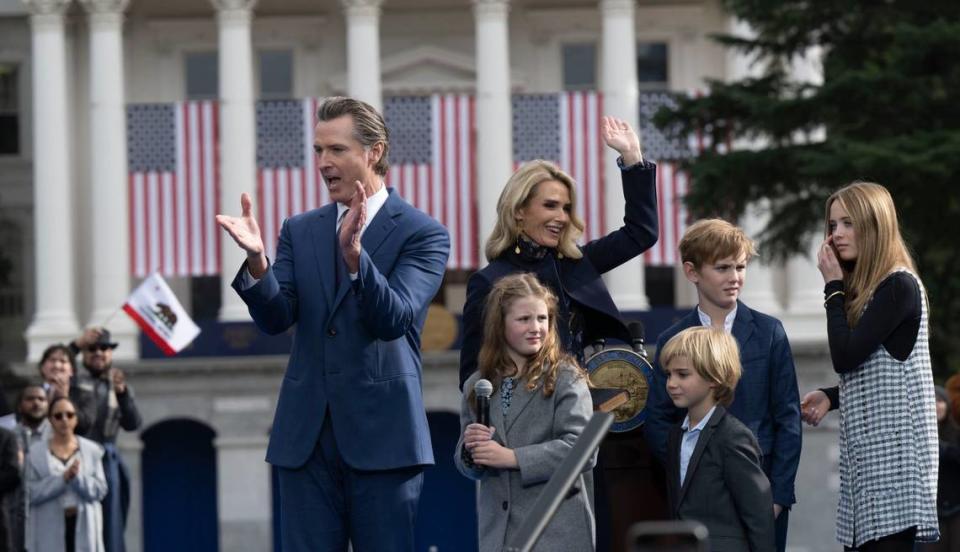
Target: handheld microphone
x,y
483,389
636,337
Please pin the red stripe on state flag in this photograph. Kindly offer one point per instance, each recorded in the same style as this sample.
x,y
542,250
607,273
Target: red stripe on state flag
x,y
148,329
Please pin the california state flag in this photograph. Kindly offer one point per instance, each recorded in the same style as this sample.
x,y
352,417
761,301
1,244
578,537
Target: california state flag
x,y
155,308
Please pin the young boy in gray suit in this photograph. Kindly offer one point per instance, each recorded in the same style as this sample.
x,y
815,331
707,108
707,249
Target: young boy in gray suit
x,y
714,474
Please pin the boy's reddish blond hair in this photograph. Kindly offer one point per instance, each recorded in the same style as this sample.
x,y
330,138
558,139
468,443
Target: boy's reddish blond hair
x,y
709,240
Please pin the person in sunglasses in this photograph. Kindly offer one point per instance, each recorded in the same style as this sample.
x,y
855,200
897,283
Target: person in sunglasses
x,y
65,484
111,408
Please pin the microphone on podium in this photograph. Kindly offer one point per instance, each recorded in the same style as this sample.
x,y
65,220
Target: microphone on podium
x,y
483,389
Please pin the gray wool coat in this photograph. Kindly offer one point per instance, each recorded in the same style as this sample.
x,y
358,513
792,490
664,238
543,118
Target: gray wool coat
x,y
541,431
45,529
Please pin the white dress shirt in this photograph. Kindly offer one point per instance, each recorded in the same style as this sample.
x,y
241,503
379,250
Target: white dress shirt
x,y
727,322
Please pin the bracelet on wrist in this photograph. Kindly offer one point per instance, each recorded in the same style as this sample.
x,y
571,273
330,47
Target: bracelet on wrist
x,y
832,295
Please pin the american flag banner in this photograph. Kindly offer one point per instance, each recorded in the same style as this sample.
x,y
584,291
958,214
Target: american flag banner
x,y
672,180
565,128
174,181
288,181
433,165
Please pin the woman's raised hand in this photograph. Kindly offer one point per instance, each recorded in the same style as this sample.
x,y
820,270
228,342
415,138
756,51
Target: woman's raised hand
x,y
618,135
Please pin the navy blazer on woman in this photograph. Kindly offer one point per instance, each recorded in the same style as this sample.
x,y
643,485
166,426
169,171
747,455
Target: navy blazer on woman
x,y
766,399
356,353
579,278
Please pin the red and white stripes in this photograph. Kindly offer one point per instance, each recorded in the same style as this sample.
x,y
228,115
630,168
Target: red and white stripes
x,y
581,155
445,186
172,223
672,183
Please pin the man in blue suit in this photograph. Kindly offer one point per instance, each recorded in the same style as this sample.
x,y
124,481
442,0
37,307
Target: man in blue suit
x,y
350,435
715,255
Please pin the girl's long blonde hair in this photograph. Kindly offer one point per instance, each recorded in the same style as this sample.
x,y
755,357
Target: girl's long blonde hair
x,y
880,247
516,195
494,362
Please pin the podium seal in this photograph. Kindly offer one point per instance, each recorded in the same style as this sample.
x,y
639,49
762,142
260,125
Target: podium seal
x,y
623,369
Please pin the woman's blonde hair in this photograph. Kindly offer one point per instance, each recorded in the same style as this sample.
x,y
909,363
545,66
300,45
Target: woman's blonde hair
x,y
494,362
516,195
714,354
880,247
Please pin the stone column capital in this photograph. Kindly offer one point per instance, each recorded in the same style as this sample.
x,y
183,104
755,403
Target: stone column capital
x,y
105,14
491,8
233,5
108,7
47,7
234,11
361,8
618,7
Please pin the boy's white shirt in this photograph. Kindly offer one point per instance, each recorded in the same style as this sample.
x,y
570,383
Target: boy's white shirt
x,y
727,322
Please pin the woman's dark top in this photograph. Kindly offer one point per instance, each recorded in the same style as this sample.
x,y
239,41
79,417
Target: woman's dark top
x,y
585,309
891,320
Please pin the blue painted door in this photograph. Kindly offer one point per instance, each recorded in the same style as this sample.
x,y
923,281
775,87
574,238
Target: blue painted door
x,y
447,519
179,467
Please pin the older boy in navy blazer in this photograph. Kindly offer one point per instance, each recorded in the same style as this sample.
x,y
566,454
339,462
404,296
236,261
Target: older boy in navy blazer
x,y
715,255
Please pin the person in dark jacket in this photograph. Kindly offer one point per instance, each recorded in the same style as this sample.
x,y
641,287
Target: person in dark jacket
x,y
10,481
537,231
948,484
32,428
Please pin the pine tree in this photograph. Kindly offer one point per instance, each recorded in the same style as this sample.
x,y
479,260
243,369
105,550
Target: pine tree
x,y
888,111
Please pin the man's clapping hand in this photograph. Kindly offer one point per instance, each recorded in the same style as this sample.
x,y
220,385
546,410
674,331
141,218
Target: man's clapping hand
x,y
246,232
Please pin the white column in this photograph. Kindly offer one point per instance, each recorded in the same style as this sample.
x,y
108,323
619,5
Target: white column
x,y
238,148
55,317
805,319
243,508
618,82
363,50
110,275
758,291
494,110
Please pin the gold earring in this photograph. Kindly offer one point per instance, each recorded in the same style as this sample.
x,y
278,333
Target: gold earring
x,y
516,248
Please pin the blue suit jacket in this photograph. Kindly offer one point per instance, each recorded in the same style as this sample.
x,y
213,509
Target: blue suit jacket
x,y
766,399
356,351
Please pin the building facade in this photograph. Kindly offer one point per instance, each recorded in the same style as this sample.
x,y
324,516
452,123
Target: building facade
x,y
80,80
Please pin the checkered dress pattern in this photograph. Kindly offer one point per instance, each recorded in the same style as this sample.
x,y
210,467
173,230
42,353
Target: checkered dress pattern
x,y
888,445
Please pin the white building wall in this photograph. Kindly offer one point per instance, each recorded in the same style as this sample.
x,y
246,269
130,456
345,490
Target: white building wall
x,y
154,70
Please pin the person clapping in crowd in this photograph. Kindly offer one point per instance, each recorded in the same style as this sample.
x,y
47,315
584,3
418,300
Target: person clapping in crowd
x,y
540,405
32,428
104,397
65,484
